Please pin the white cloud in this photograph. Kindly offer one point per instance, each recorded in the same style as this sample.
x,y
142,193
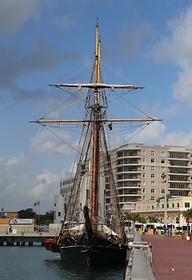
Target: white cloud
x,y
46,186
13,13
156,133
177,48
45,142
20,188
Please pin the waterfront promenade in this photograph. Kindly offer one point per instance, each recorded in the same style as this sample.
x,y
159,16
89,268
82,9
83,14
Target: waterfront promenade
x,y
172,257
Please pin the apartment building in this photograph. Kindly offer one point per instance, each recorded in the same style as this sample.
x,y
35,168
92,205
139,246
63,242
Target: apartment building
x,y
142,173
147,172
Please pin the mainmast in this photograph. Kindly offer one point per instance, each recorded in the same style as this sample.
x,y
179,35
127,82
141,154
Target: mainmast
x,y
96,129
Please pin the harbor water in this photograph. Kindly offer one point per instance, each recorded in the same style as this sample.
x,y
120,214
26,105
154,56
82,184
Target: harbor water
x,y
35,263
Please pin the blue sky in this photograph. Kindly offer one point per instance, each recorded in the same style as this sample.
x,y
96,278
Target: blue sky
x,y
147,43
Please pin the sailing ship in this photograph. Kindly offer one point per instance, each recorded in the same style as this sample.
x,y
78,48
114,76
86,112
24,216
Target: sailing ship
x,y
90,234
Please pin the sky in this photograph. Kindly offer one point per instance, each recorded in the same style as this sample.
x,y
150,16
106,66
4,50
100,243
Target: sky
x,y
146,43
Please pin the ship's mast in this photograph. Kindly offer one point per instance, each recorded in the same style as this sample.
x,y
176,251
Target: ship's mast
x,y
96,130
95,119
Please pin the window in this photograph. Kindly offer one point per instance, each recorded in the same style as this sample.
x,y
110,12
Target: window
x,y
152,160
162,161
152,190
152,153
152,175
152,183
163,154
152,197
152,167
167,205
177,204
173,205
59,214
143,159
143,175
162,190
143,197
163,206
143,190
152,206
187,204
143,167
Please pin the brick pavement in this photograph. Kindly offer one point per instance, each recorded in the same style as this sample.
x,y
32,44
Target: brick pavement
x,y
172,257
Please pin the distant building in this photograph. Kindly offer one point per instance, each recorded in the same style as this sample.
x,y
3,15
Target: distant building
x,y
61,200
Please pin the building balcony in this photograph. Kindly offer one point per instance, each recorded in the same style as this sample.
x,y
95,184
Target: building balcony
x,y
179,181
131,180
128,187
179,173
128,172
128,164
185,188
179,166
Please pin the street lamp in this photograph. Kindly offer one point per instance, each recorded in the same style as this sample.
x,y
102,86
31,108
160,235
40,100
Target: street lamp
x,y
163,177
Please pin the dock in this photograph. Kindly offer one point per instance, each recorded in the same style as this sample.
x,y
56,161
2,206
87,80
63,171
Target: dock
x,y
160,257
24,239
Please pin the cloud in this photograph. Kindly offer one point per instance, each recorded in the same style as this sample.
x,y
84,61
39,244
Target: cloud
x,y
60,143
17,63
65,22
177,49
14,13
156,133
20,188
46,186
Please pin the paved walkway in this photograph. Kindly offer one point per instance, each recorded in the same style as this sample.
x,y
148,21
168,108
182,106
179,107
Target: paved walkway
x,y
172,257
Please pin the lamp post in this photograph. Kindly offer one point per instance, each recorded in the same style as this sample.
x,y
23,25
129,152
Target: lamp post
x,y
163,177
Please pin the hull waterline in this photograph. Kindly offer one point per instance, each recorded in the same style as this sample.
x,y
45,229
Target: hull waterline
x,y
94,256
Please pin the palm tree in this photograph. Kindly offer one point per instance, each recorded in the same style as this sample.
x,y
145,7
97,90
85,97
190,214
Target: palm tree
x,y
153,219
188,215
134,217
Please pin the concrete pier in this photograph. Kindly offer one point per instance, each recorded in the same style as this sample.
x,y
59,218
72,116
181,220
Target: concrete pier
x,y
24,239
140,261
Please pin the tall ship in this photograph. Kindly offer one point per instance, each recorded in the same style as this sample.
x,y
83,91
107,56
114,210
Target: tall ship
x,y
91,234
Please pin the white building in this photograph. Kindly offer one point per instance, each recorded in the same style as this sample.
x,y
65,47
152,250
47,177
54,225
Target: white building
x,y
146,172
142,172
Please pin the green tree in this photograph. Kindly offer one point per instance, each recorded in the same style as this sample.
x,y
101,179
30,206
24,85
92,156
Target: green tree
x,y
26,214
47,218
188,215
134,217
153,219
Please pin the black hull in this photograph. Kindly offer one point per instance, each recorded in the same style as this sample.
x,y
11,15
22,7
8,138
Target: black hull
x,y
95,255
